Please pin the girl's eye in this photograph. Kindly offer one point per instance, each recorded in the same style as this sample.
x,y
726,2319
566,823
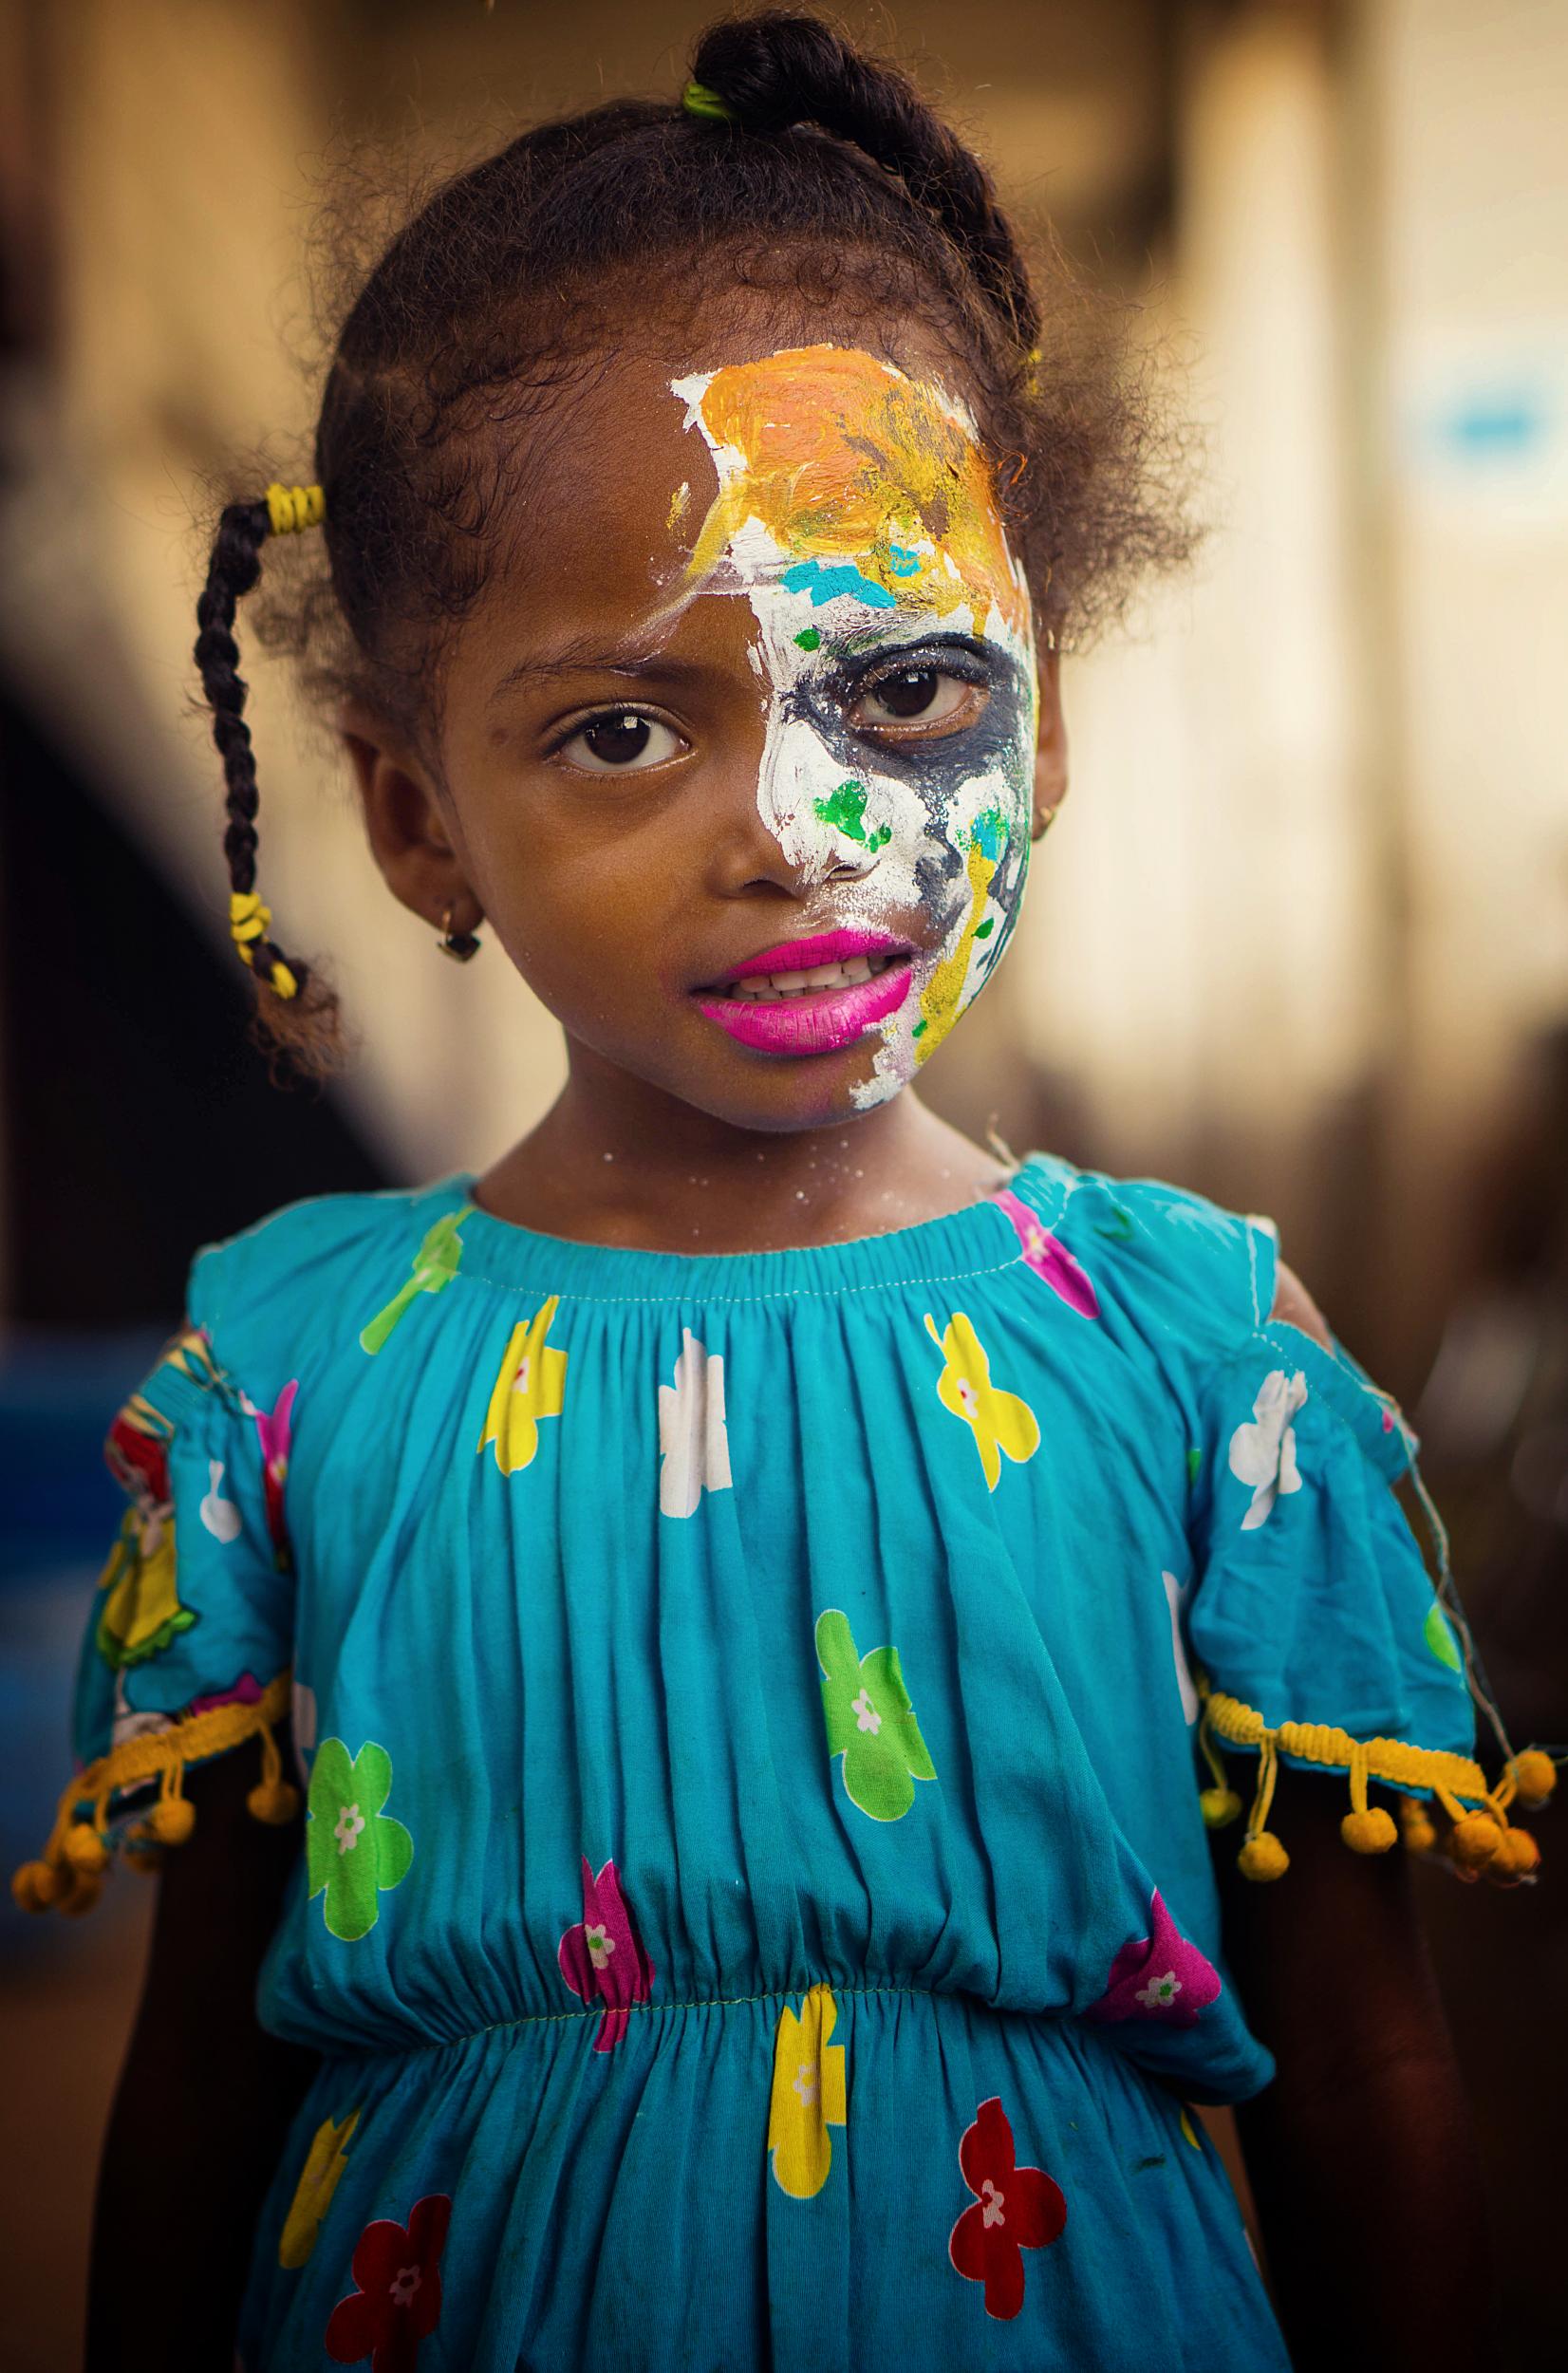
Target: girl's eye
x,y
913,695
623,741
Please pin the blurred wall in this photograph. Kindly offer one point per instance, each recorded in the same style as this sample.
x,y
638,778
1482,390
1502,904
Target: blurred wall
x,y
1316,873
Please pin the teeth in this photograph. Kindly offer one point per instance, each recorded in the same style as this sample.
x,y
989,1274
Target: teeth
x,y
767,987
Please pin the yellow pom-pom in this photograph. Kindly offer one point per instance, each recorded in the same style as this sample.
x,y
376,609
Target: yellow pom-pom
x,y
83,1894
36,1886
1535,1775
1262,1858
1372,1832
85,1850
1517,1857
274,1801
1415,1824
1474,1840
1219,1806
172,1821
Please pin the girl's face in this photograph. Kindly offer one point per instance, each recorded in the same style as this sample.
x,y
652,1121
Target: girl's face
x,y
740,761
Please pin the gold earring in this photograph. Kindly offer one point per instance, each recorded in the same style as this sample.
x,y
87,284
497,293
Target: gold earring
x,y
458,944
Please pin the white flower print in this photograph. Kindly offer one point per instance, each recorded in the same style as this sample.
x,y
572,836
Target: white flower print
x,y
1176,1594
992,2202
347,1829
1264,1453
221,1516
405,2283
804,2084
692,1432
600,1944
866,1714
1160,1992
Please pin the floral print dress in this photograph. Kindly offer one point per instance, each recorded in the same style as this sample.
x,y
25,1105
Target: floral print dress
x,y
756,1907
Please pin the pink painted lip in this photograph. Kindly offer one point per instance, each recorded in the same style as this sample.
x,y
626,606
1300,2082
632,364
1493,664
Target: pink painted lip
x,y
822,1021
823,947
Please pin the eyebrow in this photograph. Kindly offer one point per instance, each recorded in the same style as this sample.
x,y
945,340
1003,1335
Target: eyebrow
x,y
585,658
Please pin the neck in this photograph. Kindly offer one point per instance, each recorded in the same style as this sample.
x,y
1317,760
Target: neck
x,y
619,1161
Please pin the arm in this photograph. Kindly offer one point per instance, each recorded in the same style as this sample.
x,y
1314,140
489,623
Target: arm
x,y
1360,2153
204,2101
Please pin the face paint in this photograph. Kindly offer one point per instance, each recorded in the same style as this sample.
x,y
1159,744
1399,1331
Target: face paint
x,y
856,514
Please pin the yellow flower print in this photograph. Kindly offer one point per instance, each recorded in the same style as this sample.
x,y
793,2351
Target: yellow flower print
x,y
1000,1421
808,2095
531,1384
319,2178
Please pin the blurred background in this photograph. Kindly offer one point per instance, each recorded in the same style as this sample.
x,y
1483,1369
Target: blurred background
x,y
1299,941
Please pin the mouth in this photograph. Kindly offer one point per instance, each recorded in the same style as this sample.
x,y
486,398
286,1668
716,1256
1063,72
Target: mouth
x,y
812,995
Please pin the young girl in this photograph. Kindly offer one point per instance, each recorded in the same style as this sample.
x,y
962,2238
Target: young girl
x,y
748,1574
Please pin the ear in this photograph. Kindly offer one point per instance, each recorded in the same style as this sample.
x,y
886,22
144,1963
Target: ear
x,y
407,822
1050,747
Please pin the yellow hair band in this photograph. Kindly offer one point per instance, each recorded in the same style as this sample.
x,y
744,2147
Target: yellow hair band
x,y
292,509
699,101
249,920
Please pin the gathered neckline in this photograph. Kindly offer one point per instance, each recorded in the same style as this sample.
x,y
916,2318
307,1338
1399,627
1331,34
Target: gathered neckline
x,y
976,1239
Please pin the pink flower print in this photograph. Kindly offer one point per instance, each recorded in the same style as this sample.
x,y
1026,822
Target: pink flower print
x,y
1013,2209
1158,1976
602,1956
1049,1258
275,1429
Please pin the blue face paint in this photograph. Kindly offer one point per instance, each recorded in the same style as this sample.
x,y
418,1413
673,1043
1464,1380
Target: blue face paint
x,y
824,580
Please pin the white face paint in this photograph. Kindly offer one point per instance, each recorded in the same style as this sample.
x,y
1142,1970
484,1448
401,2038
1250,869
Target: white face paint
x,y
856,516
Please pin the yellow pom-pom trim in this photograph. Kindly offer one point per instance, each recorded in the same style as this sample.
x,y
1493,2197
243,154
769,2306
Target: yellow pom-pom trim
x,y
85,1850
1369,1832
1475,1840
1220,1807
1262,1858
292,509
171,1821
36,1887
1416,1826
69,1875
1534,1776
1517,1857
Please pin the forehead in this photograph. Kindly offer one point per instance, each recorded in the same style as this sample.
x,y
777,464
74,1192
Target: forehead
x,y
649,480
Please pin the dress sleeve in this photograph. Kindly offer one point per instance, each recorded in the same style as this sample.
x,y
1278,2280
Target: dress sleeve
x,y
189,1638
1321,1637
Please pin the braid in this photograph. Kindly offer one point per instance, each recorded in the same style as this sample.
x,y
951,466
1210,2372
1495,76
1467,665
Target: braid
x,y
295,1010
778,69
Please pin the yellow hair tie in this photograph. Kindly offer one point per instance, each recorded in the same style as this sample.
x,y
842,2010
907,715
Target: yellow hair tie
x,y
292,509
250,920
699,101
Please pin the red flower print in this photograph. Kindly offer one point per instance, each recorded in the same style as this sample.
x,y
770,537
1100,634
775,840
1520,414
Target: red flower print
x,y
1158,1976
398,2300
601,1956
1013,2209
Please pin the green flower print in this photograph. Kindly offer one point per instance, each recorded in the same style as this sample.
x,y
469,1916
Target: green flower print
x,y
435,1265
871,1721
351,1847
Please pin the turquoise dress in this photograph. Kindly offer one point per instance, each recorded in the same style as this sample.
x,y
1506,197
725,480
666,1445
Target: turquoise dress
x,y
755,1909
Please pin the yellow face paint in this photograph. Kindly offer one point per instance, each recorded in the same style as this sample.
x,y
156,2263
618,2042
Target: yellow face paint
x,y
843,459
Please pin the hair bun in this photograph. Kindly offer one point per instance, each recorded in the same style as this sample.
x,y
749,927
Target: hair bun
x,y
776,70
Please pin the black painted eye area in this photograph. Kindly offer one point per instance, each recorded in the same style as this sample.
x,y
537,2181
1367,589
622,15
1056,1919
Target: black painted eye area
x,y
920,693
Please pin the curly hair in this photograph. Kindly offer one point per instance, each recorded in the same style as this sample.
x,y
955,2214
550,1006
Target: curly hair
x,y
807,176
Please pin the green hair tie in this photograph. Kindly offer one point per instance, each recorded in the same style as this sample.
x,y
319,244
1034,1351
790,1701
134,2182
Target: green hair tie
x,y
699,101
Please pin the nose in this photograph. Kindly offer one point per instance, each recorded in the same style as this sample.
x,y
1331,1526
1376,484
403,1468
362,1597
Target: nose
x,y
812,813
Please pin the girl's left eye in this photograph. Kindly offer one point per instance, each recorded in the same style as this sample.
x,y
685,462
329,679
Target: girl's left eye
x,y
623,741
914,696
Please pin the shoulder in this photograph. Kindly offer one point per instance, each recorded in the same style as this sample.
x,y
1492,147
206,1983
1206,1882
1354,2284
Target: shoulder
x,y
1182,1270
305,1272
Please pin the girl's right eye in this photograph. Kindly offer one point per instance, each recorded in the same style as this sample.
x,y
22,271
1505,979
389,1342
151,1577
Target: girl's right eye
x,y
623,741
